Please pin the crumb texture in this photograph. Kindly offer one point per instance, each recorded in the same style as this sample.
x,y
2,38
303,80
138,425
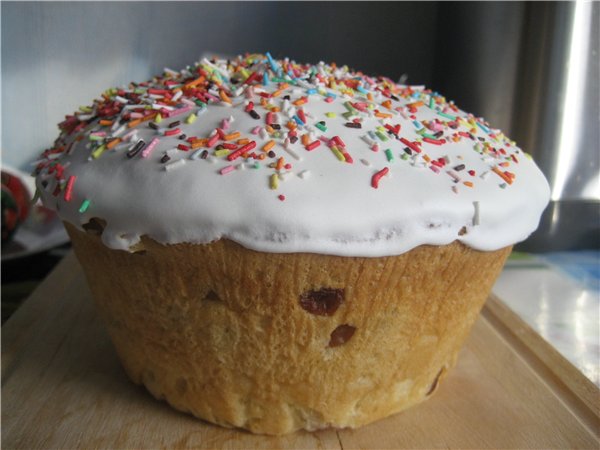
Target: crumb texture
x,y
224,333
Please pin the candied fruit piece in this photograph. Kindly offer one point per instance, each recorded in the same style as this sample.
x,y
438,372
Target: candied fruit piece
x,y
322,302
341,335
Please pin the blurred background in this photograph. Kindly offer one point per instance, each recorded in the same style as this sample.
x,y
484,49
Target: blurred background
x,y
529,68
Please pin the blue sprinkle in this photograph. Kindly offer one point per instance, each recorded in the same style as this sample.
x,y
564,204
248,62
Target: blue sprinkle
x,y
311,91
331,94
417,124
298,120
272,62
362,90
484,128
265,79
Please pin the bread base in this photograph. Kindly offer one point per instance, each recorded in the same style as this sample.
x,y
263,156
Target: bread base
x,y
219,331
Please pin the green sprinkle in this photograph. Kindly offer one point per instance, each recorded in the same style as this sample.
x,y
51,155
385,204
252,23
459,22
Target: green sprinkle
x,y
404,156
84,206
200,103
381,136
331,115
427,135
447,116
256,165
96,138
96,153
390,156
431,102
85,109
348,115
349,107
321,127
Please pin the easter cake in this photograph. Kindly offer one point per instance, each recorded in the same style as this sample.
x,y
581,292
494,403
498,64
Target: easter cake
x,y
280,246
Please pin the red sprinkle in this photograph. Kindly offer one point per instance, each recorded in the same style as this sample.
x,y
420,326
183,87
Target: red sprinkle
x,y
435,141
313,145
301,115
172,132
183,147
69,188
249,107
281,197
376,177
338,141
410,145
240,151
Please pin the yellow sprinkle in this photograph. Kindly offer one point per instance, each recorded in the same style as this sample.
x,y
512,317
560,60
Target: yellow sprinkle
x,y
96,153
274,181
191,118
158,118
222,152
337,153
331,115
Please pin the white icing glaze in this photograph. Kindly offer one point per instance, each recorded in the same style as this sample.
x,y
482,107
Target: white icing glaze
x,y
330,206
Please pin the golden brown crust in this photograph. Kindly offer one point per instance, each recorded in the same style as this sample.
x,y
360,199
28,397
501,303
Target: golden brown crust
x,y
230,335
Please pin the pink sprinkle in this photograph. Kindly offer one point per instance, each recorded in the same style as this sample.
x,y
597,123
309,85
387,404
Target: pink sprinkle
x,y
225,170
434,168
255,130
375,147
153,143
179,111
213,139
136,115
328,99
270,118
212,97
225,124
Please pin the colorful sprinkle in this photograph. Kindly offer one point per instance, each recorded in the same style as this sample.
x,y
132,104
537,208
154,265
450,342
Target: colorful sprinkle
x,y
377,177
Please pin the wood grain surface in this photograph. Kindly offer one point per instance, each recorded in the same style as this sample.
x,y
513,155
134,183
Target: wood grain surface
x,y
63,387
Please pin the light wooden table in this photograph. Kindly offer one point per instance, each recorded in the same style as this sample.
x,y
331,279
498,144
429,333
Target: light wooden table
x,y
62,387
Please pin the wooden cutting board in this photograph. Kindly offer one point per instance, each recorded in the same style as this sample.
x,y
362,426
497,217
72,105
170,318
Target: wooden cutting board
x,y
62,387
